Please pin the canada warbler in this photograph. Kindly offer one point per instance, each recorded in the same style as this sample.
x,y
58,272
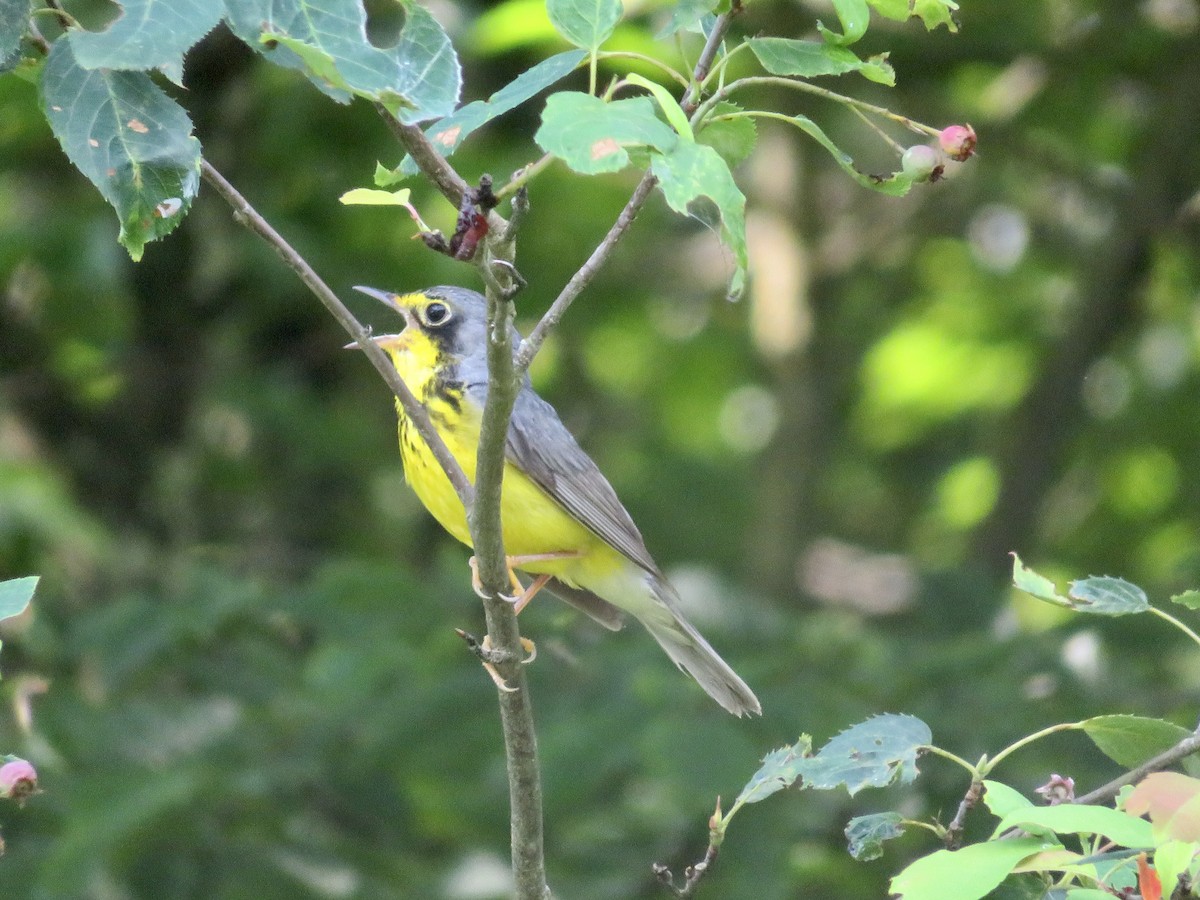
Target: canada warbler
x,y
561,519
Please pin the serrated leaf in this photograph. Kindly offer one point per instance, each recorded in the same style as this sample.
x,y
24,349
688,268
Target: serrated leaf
x,y
148,34
417,79
733,138
15,594
808,59
932,12
1002,799
778,771
129,138
966,874
687,14
865,834
1131,740
585,23
1029,581
1190,599
896,184
875,753
1172,800
1077,818
14,22
448,134
592,136
692,171
1106,596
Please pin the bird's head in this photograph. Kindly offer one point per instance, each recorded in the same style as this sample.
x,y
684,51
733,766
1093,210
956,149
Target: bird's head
x,y
445,321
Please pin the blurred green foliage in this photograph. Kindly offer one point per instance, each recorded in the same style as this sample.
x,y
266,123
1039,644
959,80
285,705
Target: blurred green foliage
x,y
245,619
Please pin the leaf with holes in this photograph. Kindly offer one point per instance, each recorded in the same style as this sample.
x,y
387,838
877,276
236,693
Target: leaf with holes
x,y
875,753
129,138
1029,581
778,771
585,23
865,834
417,79
808,59
148,34
932,12
592,136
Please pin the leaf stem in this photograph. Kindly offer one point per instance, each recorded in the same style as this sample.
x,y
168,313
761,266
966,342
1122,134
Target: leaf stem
x,y
991,764
1162,614
958,760
667,70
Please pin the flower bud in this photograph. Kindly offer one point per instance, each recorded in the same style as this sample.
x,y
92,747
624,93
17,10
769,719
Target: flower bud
x,y
1059,789
18,779
957,141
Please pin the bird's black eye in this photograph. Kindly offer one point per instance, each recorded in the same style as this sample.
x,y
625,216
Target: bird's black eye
x,y
437,314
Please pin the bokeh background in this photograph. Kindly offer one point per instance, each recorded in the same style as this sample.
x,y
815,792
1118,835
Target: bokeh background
x,y
240,677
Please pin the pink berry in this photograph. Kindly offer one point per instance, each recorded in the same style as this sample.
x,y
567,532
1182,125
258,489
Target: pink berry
x,y
18,779
957,141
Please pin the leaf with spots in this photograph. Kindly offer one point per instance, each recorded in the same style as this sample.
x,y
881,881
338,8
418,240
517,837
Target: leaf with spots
x,y
148,34
417,79
874,753
592,136
129,138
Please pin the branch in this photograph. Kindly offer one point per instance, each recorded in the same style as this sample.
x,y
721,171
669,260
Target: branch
x,y
1186,747
247,215
954,831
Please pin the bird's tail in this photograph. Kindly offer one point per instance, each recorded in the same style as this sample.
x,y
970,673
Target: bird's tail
x,y
692,653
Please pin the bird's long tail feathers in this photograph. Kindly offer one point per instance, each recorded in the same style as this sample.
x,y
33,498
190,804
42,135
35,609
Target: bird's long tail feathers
x,y
692,653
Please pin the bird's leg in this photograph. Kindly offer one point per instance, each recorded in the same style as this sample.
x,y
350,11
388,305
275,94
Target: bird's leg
x,y
523,594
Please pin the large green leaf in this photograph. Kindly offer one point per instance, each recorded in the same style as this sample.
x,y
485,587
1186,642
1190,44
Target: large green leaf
x,y
592,136
15,595
874,753
691,171
417,79
129,138
585,23
966,874
1131,740
149,34
449,133
808,59
1076,818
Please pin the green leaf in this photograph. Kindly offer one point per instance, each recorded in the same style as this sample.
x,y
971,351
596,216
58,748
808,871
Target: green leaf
x,y
865,834
448,134
1002,799
1029,581
129,138
874,753
854,15
368,197
417,79
591,136
15,595
1106,596
896,184
966,874
692,171
808,59
1190,599
669,105
1131,740
14,22
734,139
1171,860
687,14
148,34
778,771
1075,818
932,12
585,23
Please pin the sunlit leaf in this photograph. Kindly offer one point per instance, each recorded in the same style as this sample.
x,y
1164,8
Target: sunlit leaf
x,y
148,34
865,834
875,753
368,197
1078,818
966,874
585,23
1131,740
15,595
1171,860
1106,596
1002,799
691,171
592,136
1029,581
1190,599
674,114
1172,800
932,12
808,59
854,15
417,79
129,138
778,771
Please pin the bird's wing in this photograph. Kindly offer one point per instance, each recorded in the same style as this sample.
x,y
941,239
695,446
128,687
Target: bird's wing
x,y
541,447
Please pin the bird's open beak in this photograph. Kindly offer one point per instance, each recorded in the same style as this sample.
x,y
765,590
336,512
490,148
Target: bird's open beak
x,y
388,299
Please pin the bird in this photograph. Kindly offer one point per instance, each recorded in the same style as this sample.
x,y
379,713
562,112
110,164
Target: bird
x,y
561,519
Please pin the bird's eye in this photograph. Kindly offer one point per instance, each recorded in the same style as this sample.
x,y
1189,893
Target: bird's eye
x,y
437,314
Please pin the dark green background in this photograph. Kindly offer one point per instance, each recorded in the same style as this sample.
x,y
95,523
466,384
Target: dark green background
x,y
246,621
